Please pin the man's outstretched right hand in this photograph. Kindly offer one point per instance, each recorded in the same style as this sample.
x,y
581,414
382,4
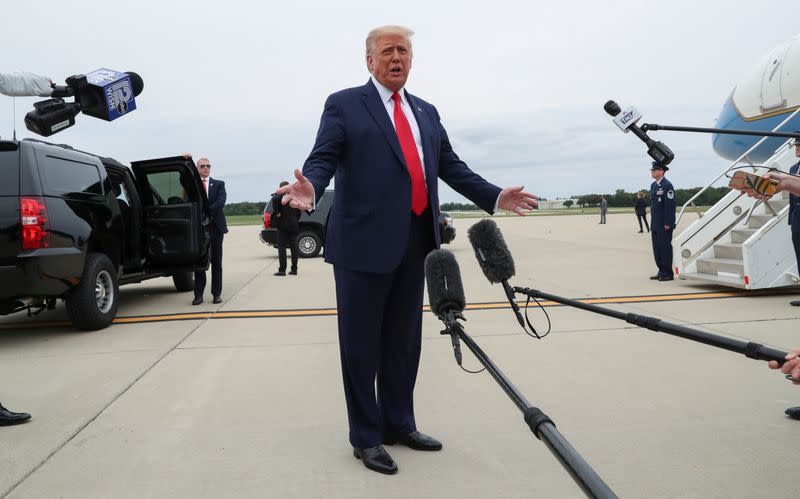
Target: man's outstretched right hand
x,y
298,195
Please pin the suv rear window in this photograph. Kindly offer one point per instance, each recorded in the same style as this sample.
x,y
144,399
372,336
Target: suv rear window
x,y
61,176
9,172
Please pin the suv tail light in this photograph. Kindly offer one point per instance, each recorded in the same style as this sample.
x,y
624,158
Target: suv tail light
x,y
34,222
267,221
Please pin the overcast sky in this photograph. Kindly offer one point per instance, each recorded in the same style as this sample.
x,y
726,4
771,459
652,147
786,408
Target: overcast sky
x,y
520,85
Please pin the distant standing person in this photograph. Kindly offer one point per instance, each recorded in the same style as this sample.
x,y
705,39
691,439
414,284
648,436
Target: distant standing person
x,y
641,211
215,190
603,209
286,220
662,211
8,418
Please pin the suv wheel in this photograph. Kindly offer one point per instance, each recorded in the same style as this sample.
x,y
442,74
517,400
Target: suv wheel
x,y
309,244
93,303
184,281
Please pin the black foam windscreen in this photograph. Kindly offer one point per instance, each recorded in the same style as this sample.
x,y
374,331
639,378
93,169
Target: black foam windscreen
x,y
491,251
612,108
445,290
137,83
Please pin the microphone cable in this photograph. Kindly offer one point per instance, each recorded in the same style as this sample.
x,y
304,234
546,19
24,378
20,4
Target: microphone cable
x,y
533,333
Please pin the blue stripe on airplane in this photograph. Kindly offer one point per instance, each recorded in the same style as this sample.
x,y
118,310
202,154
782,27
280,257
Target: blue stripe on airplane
x,y
732,146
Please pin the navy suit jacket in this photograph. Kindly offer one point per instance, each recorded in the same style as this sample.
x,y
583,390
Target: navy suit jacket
x,y
357,145
216,202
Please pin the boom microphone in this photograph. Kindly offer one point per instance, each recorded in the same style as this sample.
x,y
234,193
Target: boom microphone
x,y
626,121
445,291
494,258
446,295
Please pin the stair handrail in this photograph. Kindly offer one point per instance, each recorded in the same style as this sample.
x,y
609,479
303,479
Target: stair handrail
x,y
729,167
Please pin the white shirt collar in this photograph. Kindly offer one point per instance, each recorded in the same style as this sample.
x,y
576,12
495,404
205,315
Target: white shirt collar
x,y
386,94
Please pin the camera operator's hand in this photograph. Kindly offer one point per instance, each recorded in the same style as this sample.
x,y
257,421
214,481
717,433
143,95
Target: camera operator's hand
x,y
791,366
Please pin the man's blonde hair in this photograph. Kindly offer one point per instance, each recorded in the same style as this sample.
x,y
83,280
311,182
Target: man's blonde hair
x,y
388,30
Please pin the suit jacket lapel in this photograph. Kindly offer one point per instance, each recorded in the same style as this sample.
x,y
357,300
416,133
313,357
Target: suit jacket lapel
x,y
372,100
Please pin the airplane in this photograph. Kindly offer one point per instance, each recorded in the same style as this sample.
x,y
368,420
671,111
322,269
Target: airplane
x,y
768,94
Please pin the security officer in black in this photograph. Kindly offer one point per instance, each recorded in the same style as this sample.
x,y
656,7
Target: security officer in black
x,y
794,213
286,220
662,213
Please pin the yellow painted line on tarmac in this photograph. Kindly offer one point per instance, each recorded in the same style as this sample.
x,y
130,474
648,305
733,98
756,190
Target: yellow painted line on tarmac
x,y
324,312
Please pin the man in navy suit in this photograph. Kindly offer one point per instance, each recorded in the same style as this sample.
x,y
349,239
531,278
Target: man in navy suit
x,y
385,148
215,189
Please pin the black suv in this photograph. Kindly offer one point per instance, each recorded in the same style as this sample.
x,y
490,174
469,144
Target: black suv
x,y
311,238
74,226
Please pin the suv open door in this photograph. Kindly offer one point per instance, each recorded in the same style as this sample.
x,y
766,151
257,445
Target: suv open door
x,y
175,208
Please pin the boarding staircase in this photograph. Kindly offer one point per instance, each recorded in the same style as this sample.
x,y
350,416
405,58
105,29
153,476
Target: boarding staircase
x,y
741,242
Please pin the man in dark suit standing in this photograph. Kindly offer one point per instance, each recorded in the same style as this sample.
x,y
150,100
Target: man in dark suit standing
x,y
385,148
215,189
286,220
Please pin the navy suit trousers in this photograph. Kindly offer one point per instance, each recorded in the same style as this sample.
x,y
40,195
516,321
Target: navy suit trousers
x,y
380,331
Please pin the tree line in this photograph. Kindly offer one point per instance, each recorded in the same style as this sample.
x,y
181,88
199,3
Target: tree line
x,y
619,199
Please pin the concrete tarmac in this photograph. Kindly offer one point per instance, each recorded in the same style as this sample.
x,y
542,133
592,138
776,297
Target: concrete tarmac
x,y
253,406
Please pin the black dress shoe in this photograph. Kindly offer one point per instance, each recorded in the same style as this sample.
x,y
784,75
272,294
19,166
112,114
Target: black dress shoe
x,y
197,300
666,278
217,299
414,440
793,412
8,418
641,231
293,272
280,273
377,459
795,303
655,277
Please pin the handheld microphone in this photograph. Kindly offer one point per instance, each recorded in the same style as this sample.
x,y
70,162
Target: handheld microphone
x,y
103,94
494,258
445,290
106,94
626,121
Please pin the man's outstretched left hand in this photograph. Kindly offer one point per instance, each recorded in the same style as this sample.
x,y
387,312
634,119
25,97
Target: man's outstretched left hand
x,y
516,200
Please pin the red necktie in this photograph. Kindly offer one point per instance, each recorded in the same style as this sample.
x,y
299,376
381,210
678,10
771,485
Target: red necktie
x,y
419,194
205,184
